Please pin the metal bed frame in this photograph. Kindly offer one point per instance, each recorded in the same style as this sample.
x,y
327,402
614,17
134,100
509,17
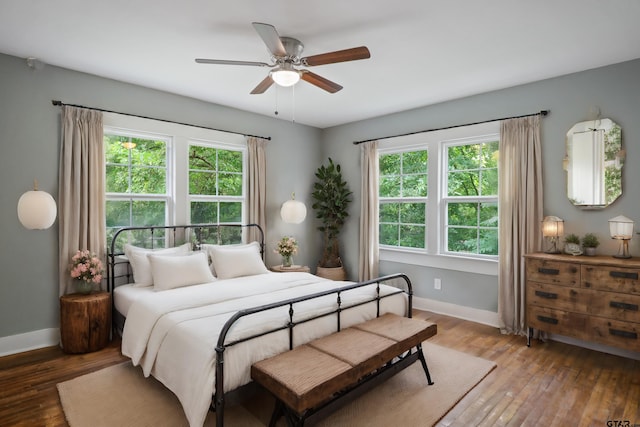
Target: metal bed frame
x,y
218,399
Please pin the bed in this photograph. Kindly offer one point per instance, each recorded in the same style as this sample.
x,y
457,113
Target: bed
x,y
196,307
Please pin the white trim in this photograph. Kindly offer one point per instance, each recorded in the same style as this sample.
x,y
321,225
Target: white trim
x,y
488,267
477,315
29,341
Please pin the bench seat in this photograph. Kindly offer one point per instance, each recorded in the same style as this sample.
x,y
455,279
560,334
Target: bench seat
x,y
305,379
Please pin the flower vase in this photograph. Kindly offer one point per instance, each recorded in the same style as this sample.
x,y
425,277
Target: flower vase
x,y
287,260
83,287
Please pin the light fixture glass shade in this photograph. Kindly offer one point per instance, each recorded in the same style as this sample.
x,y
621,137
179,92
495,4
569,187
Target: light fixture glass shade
x,y
285,75
552,229
293,211
621,227
37,210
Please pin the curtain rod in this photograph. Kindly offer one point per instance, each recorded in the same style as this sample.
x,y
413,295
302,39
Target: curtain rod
x,y
540,113
59,103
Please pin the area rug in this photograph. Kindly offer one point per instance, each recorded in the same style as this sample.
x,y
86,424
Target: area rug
x,y
121,396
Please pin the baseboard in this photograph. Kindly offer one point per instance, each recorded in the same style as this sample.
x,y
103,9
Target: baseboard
x,y
29,341
596,347
477,315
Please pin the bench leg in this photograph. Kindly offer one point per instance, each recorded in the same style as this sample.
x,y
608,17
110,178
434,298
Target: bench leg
x,y
424,364
277,413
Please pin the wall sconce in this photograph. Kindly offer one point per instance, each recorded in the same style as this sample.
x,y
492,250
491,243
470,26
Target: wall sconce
x,y
293,211
552,229
621,228
36,209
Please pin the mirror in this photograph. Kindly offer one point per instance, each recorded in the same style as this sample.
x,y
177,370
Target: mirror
x,y
594,163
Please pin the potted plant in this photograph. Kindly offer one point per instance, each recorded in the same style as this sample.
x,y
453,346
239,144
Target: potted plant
x,y
331,199
572,244
590,242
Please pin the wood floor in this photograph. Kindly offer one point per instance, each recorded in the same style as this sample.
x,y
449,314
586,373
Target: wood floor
x,y
549,384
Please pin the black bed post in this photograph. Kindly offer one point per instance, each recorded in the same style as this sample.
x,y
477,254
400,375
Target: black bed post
x,y
219,397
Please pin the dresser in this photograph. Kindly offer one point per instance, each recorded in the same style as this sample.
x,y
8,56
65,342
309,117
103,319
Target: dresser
x,y
590,298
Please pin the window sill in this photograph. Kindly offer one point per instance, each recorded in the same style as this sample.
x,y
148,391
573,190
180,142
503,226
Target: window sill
x,y
448,262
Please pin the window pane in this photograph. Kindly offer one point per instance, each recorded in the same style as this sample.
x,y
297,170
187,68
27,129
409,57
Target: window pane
x,y
230,184
389,212
462,240
203,158
414,186
490,154
117,179
202,183
230,161
148,213
204,212
462,214
463,183
118,213
146,180
148,152
489,182
389,164
230,212
489,214
390,186
414,162
488,242
389,234
463,157
413,213
412,236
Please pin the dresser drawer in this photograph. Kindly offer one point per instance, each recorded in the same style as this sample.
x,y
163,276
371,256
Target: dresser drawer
x,y
616,279
559,297
557,321
613,305
554,272
615,332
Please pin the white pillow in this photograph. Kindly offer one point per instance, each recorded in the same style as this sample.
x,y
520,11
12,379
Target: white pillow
x,y
140,263
237,260
171,271
207,248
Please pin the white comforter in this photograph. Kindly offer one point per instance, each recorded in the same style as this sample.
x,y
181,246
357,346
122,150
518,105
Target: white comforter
x,y
173,334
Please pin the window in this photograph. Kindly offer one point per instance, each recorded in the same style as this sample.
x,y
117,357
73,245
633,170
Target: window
x,y
438,195
160,173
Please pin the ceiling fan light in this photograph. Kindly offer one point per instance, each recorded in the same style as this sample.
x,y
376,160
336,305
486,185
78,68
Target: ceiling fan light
x,y
285,77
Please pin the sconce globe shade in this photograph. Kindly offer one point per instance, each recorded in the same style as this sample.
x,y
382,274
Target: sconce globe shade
x,y
37,210
552,226
293,212
285,76
621,227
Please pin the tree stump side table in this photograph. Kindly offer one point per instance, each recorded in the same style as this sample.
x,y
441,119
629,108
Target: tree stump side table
x,y
85,322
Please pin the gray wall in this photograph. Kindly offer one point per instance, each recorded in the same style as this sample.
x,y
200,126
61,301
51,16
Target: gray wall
x,y
615,90
30,141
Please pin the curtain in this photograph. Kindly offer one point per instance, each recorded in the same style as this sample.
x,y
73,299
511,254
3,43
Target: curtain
x,y
369,256
81,189
520,199
257,186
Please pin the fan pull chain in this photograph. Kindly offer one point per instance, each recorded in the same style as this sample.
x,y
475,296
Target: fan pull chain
x,y
276,112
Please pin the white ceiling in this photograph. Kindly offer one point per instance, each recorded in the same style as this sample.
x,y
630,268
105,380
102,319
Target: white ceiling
x,y
422,51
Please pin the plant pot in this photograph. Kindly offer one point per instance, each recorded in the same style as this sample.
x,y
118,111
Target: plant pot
x,y
332,273
590,251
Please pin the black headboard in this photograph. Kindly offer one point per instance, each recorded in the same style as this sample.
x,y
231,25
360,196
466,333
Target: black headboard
x,y
166,236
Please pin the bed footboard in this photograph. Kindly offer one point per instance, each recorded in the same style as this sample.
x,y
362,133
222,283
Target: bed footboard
x,y
218,400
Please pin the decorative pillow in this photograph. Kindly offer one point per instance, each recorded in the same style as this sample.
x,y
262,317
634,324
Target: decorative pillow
x,y
207,248
237,260
140,263
171,272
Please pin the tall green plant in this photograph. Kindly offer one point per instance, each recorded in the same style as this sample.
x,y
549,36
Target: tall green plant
x,y
331,199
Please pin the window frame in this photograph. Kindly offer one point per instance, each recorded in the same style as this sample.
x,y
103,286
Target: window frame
x,y
433,254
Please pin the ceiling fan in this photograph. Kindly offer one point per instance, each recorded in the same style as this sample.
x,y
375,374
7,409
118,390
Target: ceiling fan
x,y
286,56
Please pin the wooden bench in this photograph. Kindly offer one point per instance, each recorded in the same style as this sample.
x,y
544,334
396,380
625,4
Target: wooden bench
x,y
326,373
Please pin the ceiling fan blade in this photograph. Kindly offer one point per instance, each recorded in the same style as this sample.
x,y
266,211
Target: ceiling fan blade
x,y
338,56
271,38
319,81
228,62
262,86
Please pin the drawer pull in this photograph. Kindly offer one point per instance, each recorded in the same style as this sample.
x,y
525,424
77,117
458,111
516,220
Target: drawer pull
x,y
553,271
547,295
623,275
546,319
623,305
623,334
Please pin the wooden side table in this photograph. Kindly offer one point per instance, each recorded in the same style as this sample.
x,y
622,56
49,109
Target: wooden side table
x,y
297,268
85,322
